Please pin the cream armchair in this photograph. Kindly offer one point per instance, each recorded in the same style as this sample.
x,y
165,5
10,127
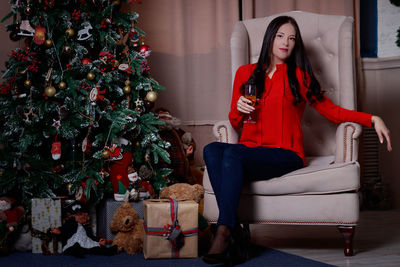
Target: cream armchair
x,y
324,192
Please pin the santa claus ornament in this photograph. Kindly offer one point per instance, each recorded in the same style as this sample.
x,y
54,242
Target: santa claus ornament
x,y
56,149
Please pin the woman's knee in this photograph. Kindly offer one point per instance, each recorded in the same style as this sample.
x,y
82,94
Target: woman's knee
x,y
211,149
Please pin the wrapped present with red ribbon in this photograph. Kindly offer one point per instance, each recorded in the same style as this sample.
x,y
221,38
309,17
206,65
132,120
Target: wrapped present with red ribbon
x,y
171,228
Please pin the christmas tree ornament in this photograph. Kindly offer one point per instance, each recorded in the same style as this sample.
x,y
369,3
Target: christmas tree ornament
x,y
86,145
115,152
62,85
69,189
151,96
80,193
70,32
84,33
116,2
127,89
134,36
90,76
139,105
115,63
27,83
56,150
144,51
40,35
123,67
28,10
50,91
96,94
108,21
67,50
26,29
86,61
105,154
48,43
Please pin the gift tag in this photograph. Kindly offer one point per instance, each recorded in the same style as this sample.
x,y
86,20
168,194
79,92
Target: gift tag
x,y
175,234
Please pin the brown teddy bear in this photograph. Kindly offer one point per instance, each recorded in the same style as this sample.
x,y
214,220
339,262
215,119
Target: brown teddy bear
x,y
130,229
183,191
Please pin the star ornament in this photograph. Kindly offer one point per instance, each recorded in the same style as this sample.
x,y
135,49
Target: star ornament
x,y
56,123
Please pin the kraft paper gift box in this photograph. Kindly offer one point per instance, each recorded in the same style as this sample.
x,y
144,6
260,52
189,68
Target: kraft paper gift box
x,y
46,214
171,228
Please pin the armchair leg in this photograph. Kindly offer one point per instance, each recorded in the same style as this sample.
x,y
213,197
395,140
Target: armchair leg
x,y
348,234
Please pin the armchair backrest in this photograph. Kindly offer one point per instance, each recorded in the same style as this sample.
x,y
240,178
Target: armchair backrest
x,y
328,40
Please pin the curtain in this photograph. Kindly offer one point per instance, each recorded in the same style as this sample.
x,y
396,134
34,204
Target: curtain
x,y
190,55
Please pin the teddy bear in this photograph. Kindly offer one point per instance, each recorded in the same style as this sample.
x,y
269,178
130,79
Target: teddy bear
x,y
129,229
183,191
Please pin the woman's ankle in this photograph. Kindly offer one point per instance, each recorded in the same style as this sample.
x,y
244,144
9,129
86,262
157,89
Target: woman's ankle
x,y
220,242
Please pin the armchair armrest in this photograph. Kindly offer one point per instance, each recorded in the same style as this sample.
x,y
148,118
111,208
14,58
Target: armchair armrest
x,y
225,133
347,135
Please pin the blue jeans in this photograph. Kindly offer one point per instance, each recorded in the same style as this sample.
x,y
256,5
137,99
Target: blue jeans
x,y
229,165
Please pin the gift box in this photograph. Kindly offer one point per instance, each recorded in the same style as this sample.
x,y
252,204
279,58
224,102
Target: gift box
x,y
171,228
46,214
105,213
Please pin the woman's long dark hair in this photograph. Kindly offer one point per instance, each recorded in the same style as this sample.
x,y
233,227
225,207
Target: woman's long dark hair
x,y
298,58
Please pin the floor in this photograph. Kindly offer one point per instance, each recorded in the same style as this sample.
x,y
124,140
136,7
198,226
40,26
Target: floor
x,y
376,241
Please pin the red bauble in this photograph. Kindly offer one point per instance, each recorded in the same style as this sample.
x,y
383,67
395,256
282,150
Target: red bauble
x,y
86,61
144,50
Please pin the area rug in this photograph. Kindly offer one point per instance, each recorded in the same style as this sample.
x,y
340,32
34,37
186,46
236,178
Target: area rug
x,y
264,257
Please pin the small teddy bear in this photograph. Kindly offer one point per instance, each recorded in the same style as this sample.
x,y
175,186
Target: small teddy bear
x,y
129,229
183,191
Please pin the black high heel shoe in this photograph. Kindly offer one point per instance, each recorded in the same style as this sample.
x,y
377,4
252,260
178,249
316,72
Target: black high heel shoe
x,y
241,244
220,258
235,253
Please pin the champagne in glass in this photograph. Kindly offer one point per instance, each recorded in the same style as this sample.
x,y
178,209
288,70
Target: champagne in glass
x,y
250,93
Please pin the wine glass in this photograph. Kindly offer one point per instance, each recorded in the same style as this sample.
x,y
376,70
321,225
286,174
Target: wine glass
x,y
250,93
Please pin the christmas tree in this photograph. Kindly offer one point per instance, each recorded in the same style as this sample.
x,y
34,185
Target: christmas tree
x,y
76,101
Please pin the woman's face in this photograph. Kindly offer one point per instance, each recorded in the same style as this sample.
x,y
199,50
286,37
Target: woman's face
x,y
284,42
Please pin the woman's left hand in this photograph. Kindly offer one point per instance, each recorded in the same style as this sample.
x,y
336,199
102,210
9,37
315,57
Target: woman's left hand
x,y
382,131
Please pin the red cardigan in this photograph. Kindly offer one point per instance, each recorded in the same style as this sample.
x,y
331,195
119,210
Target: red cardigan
x,y
278,121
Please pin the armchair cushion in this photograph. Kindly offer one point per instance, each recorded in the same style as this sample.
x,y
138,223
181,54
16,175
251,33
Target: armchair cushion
x,y
319,177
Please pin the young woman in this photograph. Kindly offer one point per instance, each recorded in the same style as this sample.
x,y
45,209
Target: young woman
x,y
271,145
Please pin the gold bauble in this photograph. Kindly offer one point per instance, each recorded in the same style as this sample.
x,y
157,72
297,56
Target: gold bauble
x,y
126,89
28,83
151,96
90,76
105,154
48,43
70,32
127,82
50,91
116,63
62,85
117,2
137,144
